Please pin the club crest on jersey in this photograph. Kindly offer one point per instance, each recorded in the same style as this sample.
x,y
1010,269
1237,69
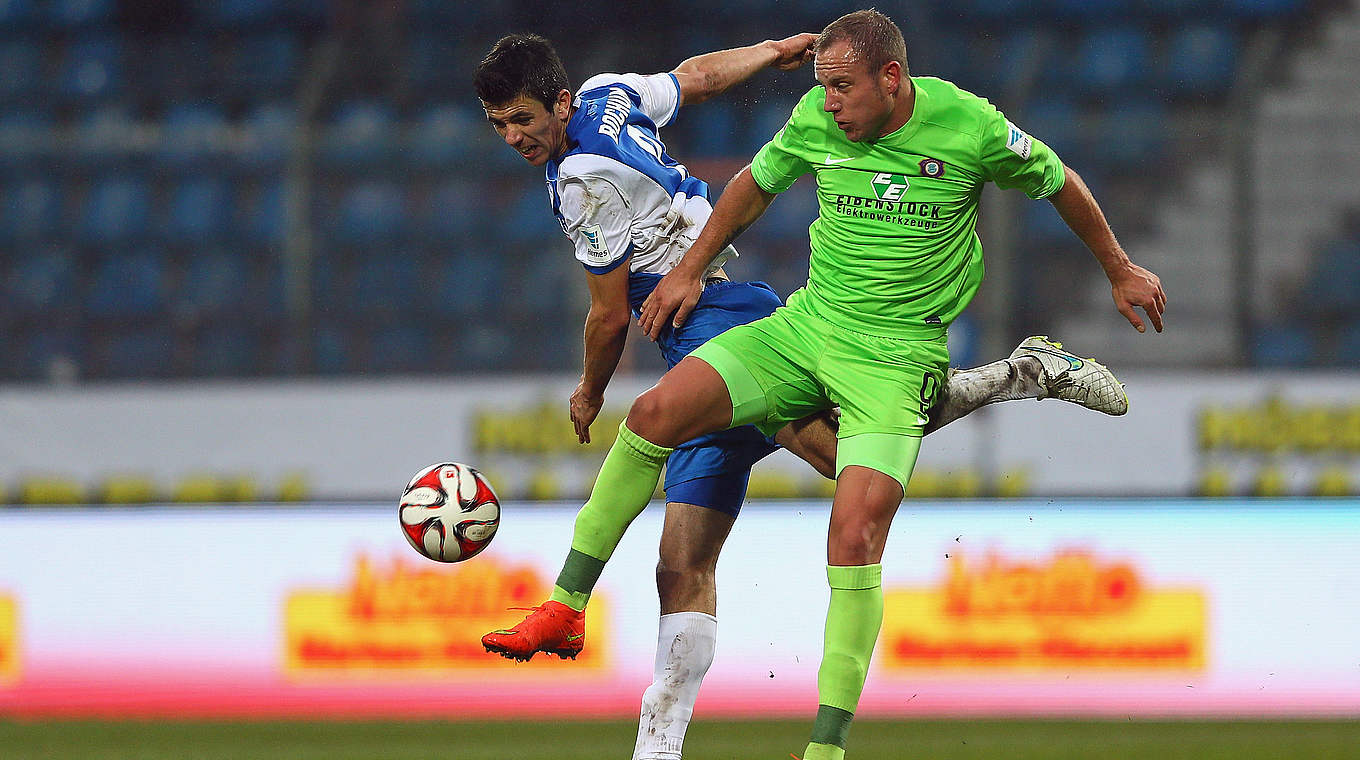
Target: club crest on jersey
x,y
932,167
889,187
1018,142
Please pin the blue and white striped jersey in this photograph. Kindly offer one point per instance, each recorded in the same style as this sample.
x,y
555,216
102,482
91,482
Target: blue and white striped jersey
x,y
617,194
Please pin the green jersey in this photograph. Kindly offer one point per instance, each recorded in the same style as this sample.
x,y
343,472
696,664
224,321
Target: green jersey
x,y
895,250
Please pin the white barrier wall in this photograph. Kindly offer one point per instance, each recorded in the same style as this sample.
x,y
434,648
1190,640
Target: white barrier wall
x,y
1034,607
1186,434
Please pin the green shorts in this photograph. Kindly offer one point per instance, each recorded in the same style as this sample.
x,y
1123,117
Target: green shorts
x,y
792,364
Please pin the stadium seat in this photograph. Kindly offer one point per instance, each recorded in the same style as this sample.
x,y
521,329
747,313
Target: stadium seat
x,y
199,211
1177,11
368,212
470,282
1333,288
42,282
41,350
75,13
20,68
442,136
103,136
214,282
791,213
192,133
177,68
452,211
389,283
360,133
1057,122
263,215
1257,10
1348,345
267,135
265,63
1088,11
529,218
1201,60
331,349
227,350
128,285
23,138
1134,133
403,348
1285,345
91,69
31,210
116,210
134,353
1110,60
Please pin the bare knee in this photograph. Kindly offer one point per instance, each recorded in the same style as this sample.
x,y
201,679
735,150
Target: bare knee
x,y
649,417
858,540
685,583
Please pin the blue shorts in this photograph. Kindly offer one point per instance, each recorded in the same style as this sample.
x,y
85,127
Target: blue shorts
x,y
712,470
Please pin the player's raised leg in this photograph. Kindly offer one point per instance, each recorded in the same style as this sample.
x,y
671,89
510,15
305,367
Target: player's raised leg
x,y
689,400
1069,377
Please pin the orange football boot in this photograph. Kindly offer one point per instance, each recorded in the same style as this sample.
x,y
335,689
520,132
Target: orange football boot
x,y
551,627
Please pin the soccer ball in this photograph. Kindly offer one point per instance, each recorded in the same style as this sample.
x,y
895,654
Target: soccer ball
x,y
449,512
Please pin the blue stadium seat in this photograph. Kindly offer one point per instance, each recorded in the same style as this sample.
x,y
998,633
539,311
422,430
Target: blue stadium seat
x,y
199,211
135,353
713,129
1088,11
236,13
263,216
31,211
43,347
1286,345
370,211
178,67
529,219
470,283
1257,10
1201,60
1134,133
1042,225
435,60
192,133
790,214
1348,344
103,135
454,209
1179,10
760,126
1111,59
76,13
17,14
20,68
331,350
128,285
360,133
442,136
44,282
266,63
268,134
23,137
92,68
214,282
389,283
1056,122
403,348
116,210
228,350
1333,288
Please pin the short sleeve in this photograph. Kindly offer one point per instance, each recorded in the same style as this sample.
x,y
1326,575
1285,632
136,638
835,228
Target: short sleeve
x,y
782,160
601,240
1013,159
658,94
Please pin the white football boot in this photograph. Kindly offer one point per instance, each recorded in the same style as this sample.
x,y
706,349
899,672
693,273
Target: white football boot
x,y
1069,377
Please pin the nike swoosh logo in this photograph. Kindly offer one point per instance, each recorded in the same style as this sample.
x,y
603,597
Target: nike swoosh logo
x,y
577,637
1072,360
923,421
830,160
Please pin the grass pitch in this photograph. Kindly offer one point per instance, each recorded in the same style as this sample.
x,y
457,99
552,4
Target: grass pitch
x,y
707,740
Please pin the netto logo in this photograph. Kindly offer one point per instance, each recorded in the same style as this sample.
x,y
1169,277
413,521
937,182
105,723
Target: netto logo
x,y
889,187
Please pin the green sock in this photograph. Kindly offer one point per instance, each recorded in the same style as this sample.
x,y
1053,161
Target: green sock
x,y
852,622
625,484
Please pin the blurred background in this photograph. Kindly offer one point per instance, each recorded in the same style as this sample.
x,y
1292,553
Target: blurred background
x,y
264,259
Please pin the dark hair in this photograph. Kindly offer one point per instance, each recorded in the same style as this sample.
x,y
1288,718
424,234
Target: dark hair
x,y
520,64
872,35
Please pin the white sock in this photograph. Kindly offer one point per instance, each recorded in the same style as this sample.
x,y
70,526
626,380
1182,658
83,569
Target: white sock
x,y
684,650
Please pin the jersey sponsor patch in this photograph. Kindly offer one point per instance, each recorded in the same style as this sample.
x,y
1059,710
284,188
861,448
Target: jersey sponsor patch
x,y
1018,142
597,253
889,187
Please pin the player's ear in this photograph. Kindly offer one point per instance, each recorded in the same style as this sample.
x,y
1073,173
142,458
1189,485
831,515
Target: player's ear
x,y
891,76
562,106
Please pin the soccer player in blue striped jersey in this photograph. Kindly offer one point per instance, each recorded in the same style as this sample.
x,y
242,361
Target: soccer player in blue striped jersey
x,y
631,211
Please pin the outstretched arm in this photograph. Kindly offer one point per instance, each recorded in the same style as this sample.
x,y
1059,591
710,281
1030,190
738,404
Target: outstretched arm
x,y
677,293
704,76
1130,284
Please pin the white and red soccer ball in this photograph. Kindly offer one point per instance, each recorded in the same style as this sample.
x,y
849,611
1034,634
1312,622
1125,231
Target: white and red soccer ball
x,y
449,512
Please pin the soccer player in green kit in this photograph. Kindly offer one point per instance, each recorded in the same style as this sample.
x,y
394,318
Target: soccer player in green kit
x,y
899,165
